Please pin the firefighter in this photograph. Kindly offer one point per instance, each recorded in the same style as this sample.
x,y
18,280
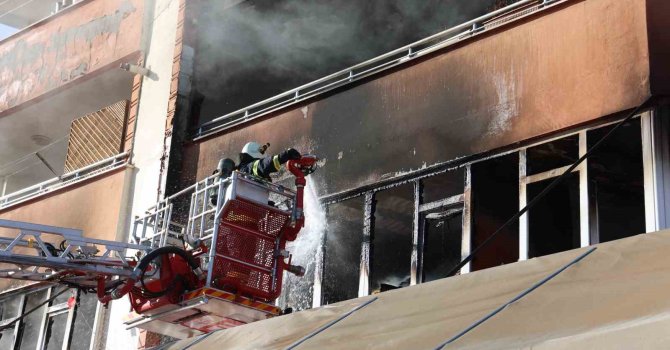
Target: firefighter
x,y
253,160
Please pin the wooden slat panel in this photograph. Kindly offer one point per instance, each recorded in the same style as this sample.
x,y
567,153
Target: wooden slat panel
x,y
96,136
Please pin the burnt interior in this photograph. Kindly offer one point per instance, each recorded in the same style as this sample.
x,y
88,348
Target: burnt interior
x,y
391,252
495,198
442,235
443,185
616,183
344,235
553,223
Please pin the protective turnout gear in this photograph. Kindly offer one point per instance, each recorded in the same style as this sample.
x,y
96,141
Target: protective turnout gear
x,y
264,166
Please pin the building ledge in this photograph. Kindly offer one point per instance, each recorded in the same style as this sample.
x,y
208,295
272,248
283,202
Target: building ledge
x,y
617,291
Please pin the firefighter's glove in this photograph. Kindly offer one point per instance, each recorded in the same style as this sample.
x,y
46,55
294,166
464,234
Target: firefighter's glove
x,y
289,154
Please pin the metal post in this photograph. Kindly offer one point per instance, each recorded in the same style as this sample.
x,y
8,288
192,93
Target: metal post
x,y
648,166
70,323
317,296
584,231
661,158
523,198
417,235
466,242
366,247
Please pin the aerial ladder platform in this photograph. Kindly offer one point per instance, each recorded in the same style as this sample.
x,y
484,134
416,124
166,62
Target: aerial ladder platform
x,y
209,257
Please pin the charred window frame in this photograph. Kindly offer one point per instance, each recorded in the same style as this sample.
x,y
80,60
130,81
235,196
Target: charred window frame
x,y
54,325
654,148
655,145
445,200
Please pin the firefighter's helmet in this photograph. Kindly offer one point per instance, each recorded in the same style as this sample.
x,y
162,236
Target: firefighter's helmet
x,y
254,149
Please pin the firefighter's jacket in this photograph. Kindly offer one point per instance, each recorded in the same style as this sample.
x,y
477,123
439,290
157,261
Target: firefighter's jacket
x,y
263,167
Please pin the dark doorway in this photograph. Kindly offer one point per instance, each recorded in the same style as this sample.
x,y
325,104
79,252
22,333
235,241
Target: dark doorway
x,y
443,233
495,198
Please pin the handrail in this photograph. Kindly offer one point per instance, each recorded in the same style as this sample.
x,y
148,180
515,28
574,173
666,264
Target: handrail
x,y
367,68
63,180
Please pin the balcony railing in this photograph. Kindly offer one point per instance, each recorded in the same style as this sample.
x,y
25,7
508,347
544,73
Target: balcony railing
x,y
376,65
64,180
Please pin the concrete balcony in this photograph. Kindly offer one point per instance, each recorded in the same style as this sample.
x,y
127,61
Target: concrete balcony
x,y
66,47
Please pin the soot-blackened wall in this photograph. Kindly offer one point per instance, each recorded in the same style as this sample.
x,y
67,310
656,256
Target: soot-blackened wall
x,y
575,63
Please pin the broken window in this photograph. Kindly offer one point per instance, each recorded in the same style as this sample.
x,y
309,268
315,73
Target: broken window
x,y
391,251
443,185
343,250
553,223
495,198
84,318
616,183
552,155
442,234
31,324
9,308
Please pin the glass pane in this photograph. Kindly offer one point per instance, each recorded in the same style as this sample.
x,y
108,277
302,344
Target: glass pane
x,y
9,308
553,224
616,183
444,185
443,232
83,321
392,240
343,250
7,338
495,199
56,331
552,155
63,298
30,326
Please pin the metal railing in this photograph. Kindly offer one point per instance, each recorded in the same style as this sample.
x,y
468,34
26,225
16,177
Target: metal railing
x,y
375,65
164,224
64,180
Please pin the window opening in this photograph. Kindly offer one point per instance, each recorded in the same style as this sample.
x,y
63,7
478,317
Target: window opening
x,y
343,250
31,324
56,330
552,155
616,183
554,222
390,265
443,234
495,198
9,308
443,185
84,318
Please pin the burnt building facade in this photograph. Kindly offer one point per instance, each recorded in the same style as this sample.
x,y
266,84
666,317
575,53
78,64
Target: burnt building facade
x,y
428,149
430,136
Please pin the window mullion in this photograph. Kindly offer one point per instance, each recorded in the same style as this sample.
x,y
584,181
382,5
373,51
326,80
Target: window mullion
x,y
366,248
17,325
43,324
417,236
69,325
523,220
584,232
466,243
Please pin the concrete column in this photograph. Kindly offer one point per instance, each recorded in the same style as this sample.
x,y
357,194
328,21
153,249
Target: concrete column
x,y
150,142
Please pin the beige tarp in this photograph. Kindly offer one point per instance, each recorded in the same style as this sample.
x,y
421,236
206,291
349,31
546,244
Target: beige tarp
x,y
616,298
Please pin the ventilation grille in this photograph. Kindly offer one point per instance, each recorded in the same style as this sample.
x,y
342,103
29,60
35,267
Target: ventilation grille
x,y
96,136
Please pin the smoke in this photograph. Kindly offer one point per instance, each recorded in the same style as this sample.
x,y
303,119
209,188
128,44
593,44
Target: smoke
x,y
264,47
